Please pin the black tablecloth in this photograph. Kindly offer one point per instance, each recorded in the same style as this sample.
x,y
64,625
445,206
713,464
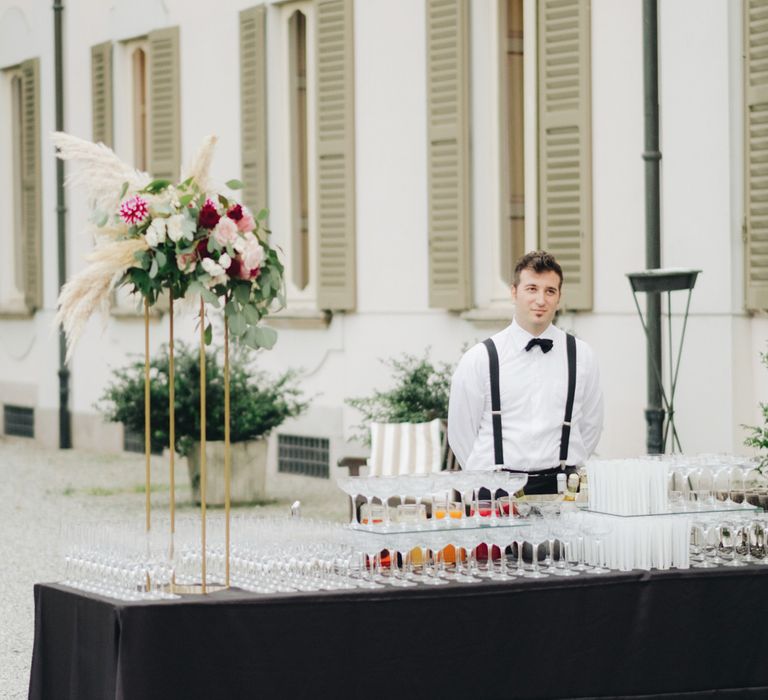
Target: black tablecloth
x,y
665,633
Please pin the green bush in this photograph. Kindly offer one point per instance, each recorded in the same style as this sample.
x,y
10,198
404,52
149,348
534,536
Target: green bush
x,y
759,436
420,394
258,403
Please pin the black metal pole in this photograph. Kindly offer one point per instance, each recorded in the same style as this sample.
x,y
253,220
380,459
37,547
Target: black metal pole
x,y
654,413
65,432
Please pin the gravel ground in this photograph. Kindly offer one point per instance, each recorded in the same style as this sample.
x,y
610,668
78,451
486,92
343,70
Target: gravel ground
x,y
40,490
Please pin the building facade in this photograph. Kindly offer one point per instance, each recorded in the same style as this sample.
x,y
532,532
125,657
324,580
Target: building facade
x,y
408,152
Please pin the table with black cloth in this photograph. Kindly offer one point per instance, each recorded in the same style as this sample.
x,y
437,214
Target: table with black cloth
x,y
696,633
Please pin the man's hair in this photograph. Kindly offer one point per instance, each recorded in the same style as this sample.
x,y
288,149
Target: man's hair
x,y
538,261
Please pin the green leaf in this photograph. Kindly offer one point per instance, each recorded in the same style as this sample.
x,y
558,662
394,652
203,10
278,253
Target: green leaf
x,y
102,220
153,269
161,258
252,315
157,186
208,335
243,293
224,201
201,200
231,308
123,190
213,244
266,337
237,325
234,184
209,297
185,199
263,214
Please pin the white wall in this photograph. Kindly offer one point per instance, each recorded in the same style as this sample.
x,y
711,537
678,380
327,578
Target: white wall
x,y
721,379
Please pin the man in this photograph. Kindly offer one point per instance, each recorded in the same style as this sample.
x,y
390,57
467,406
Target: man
x,y
532,434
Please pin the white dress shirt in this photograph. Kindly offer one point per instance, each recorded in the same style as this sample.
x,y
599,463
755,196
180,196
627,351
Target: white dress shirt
x,y
533,387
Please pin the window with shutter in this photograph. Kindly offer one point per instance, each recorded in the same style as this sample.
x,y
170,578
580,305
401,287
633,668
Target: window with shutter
x,y
253,107
448,155
31,185
101,93
335,155
12,263
756,153
164,121
512,244
565,170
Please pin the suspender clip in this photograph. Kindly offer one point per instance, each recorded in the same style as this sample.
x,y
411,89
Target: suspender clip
x,y
566,422
495,413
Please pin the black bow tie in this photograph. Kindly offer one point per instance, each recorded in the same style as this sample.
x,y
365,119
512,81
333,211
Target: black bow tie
x,y
544,343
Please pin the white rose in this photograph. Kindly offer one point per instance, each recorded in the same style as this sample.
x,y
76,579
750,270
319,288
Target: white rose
x,y
212,267
156,232
225,261
175,230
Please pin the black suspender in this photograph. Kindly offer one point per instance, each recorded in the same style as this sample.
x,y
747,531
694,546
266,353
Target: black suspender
x,y
493,366
565,436
493,362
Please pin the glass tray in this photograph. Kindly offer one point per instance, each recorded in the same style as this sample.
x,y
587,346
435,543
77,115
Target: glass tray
x,y
427,528
695,512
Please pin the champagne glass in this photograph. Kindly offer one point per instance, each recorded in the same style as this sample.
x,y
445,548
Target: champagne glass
x,y
537,535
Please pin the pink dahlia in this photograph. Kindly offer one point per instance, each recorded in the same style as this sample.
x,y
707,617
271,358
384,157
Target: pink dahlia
x,y
134,210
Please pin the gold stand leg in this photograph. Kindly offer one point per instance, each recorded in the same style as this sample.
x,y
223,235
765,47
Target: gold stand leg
x,y
203,471
172,424
147,436
227,463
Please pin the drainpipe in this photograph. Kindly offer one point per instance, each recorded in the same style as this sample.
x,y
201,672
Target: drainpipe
x,y
654,413
65,433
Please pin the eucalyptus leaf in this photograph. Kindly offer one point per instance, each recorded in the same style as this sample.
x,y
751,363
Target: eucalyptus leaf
x,y
224,201
252,315
185,199
263,214
157,186
266,336
243,293
153,269
123,190
234,184
161,258
208,334
237,325
231,308
102,220
209,297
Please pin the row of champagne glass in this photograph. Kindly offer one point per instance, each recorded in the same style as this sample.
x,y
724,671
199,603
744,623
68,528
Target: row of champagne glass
x,y
436,488
729,539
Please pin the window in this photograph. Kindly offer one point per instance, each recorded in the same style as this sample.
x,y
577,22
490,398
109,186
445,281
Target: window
x,y
139,82
20,189
512,244
755,157
313,191
309,456
19,421
297,75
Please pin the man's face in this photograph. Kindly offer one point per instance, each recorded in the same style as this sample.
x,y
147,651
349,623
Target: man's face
x,y
536,298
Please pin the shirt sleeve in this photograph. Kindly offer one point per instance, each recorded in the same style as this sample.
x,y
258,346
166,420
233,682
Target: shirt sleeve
x,y
465,407
592,412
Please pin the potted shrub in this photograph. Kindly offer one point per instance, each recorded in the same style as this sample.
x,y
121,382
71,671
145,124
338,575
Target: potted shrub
x,y
258,405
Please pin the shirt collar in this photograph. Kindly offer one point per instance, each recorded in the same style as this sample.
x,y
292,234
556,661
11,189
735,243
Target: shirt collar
x,y
521,337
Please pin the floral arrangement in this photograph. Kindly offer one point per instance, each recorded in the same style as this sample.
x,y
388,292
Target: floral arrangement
x,y
187,238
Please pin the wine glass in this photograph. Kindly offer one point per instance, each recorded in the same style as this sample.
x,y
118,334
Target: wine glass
x,y
536,535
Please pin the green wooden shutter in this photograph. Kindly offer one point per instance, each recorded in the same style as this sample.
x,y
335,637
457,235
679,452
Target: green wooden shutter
x,y
565,144
253,106
31,186
101,93
164,123
756,153
335,145
448,154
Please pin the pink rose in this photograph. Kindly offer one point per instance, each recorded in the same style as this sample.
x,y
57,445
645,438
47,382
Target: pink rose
x,y
246,223
225,231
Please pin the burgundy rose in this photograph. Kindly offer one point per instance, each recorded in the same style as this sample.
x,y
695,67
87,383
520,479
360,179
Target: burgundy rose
x,y
208,217
235,268
235,213
202,248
